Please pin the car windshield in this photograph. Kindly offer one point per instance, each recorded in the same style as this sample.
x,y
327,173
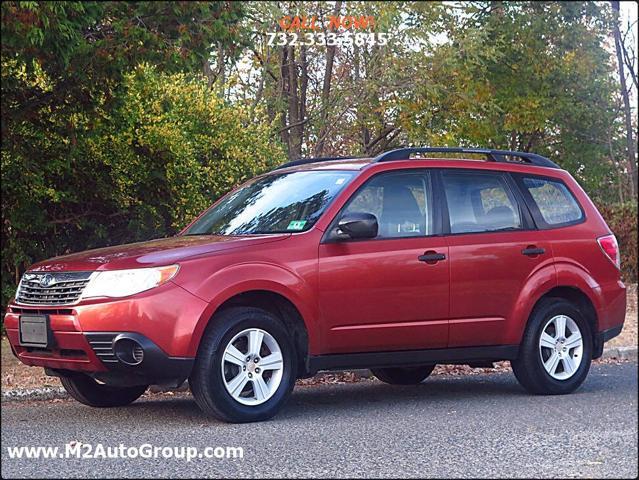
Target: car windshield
x,y
276,203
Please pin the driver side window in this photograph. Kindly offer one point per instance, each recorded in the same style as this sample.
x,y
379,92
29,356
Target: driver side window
x,y
401,203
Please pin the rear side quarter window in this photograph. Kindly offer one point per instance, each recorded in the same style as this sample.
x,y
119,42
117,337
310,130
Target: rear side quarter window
x,y
551,201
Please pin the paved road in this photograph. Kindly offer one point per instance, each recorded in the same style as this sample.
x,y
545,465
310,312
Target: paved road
x,y
472,426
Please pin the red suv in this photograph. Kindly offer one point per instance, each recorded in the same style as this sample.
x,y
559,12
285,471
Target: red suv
x,y
393,263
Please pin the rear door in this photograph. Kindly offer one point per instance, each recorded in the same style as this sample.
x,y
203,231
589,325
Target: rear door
x,y
494,250
377,294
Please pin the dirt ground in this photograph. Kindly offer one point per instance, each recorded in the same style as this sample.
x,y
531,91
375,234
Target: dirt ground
x,y
18,376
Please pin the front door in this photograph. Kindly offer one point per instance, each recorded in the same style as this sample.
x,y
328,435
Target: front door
x,y
391,292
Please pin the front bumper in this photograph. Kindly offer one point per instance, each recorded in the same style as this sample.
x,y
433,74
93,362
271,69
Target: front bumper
x,y
161,321
106,356
133,358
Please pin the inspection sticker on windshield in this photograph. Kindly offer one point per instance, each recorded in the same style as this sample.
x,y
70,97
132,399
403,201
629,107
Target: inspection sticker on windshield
x,y
296,225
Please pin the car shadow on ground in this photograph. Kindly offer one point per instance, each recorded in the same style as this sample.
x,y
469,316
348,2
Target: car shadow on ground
x,y
368,395
312,403
372,394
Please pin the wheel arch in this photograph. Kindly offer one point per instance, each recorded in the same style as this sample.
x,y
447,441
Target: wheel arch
x,y
566,280
281,308
257,284
267,286
581,301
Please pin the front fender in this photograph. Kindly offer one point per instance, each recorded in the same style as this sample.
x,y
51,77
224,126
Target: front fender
x,y
241,278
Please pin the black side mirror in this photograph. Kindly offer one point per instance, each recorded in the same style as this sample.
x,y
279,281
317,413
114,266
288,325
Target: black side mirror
x,y
358,225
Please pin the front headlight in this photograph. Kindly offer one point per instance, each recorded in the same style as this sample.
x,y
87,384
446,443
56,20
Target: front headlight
x,y
122,283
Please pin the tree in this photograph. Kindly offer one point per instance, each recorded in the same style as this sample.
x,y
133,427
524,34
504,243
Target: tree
x,y
625,95
531,76
66,70
334,99
326,89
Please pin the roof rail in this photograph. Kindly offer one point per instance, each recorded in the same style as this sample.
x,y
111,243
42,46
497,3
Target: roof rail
x,y
304,161
491,155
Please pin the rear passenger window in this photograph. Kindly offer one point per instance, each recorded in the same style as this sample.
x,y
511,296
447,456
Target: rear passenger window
x,y
480,202
556,204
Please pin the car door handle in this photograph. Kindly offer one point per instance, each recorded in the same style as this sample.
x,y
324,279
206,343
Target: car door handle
x,y
532,251
431,257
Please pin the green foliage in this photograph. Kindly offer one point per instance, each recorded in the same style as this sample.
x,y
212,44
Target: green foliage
x,y
97,150
531,76
143,171
173,147
622,220
81,39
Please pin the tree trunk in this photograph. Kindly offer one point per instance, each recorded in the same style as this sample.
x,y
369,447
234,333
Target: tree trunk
x,y
632,166
303,90
365,137
221,70
620,180
295,125
208,73
326,91
283,97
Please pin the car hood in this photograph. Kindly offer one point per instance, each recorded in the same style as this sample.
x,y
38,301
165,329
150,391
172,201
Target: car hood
x,y
164,251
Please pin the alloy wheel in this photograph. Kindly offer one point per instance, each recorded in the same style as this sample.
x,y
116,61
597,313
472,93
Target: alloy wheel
x,y
252,366
561,347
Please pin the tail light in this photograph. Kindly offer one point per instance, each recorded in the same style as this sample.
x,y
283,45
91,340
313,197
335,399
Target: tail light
x,y
610,247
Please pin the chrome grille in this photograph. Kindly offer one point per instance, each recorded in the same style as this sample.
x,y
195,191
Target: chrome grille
x,y
43,288
102,345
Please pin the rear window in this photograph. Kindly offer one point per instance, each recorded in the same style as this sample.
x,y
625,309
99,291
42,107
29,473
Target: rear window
x,y
556,204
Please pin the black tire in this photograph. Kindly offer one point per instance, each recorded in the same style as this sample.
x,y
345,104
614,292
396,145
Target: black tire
x,y
89,392
528,367
207,382
403,375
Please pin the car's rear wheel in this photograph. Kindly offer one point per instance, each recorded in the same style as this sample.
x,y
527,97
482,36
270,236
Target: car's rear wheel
x,y
403,375
89,392
556,351
245,367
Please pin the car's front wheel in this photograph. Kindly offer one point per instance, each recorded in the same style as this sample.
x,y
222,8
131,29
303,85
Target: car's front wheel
x,y
245,367
556,351
403,375
89,392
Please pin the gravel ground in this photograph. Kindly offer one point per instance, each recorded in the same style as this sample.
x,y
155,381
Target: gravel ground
x,y
450,426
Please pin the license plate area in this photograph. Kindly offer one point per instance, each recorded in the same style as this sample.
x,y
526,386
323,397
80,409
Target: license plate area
x,y
35,331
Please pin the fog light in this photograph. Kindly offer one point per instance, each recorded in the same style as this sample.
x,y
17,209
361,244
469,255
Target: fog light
x,y
128,351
